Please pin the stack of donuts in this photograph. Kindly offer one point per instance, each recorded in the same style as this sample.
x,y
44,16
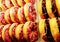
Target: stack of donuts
x,y
19,17
49,22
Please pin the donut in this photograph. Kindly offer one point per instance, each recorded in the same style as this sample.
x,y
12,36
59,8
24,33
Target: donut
x,y
30,12
2,20
41,27
39,9
2,5
21,2
49,8
42,6
7,16
44,30
13,14
19,32
54,28
14,2
1,27
12,30
30,31
58,6
8,3
31,1
5,33
21,15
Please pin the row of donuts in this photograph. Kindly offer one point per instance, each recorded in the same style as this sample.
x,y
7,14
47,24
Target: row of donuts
x,y
5,4
19,15
48,8
19,32
50,29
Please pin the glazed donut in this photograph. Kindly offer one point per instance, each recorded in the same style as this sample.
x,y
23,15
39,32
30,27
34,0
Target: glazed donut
x,y
30,31
5,33
1,27
31,1
2,20
2,5
13,14
49,8
19,32
14,2
21,15
58,6
54,29
8,3
30,12
7,16
21,2
12,30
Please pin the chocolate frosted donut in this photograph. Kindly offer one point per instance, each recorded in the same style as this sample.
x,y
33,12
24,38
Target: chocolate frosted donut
x,y
42,9
54,8
44,29
49,8
58,6
54,28
39,9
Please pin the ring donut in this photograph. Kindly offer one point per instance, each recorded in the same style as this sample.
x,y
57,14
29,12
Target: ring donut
x,y
8,3
45,32
30,12
2,20
5,33
30,31
19,32
39,5
54,28
13,14
2,5
14,2
21,2
21,15
49,8
41,27
12,30
7,16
